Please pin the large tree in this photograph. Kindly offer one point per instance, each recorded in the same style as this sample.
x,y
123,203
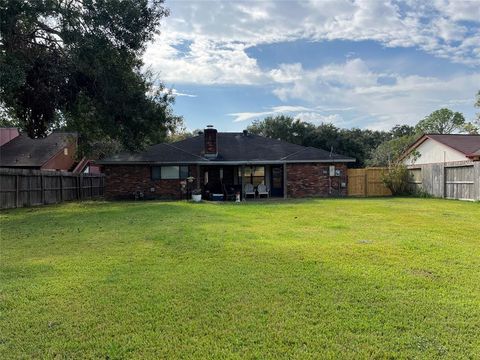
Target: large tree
x,y
77,64
442,121
473,127
281,127
477,104
357,143
388,152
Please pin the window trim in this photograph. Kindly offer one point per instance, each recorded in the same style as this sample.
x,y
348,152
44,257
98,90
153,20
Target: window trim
x,y
160,172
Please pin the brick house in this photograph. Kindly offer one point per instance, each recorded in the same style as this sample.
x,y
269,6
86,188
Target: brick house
x,y
56,152
223,163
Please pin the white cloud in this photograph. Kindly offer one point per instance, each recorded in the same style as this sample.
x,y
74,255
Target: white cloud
x,y
178,93
173,92
217,34
207,43
207,62
274,110
313,115
407,100
458,10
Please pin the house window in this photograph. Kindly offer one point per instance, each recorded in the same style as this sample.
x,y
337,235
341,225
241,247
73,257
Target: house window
x,y
169,172
254,175
183,172
65,151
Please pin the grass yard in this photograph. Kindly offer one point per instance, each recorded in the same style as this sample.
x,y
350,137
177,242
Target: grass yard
x,y
345,278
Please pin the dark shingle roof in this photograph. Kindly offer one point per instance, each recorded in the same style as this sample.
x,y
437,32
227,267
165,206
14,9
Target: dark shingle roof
x,y
466,144
232,147
469,145
23,151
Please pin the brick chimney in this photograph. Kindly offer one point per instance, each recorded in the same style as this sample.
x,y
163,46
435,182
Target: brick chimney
x,y
210,136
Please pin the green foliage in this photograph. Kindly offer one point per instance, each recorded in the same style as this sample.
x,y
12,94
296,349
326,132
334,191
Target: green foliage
x,y
181,134
442,121
389,151
471,128
397,179
421,193
357,143
281,127
403,130
477,103
5,119
336,278
77,65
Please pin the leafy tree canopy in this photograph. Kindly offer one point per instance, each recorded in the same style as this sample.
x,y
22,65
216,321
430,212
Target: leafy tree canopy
x,y
76,64
477,104
357,143
281,127
443,121
389,151
403,130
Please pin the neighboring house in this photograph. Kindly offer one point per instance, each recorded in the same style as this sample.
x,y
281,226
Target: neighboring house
x,y
440,148
87,166
7,134
446,165
223,162
54,152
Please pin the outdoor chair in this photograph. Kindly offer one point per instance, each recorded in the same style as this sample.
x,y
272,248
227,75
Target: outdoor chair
x,y
262,190
229,192
248,190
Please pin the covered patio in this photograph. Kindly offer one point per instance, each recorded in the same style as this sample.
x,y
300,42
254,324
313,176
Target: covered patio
x,y
224,181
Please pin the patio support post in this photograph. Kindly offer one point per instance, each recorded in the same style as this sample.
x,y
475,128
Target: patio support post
x,y
285,180
241,181
198,177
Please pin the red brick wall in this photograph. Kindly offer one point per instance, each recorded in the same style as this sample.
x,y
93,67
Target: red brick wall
x,y
303,180
122,181
307,180
60,161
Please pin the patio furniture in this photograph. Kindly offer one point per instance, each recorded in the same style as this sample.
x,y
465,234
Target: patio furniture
x,y
248,190
217,197
262,190
229,192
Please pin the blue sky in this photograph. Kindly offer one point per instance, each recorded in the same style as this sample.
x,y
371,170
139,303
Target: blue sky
x,y
368,64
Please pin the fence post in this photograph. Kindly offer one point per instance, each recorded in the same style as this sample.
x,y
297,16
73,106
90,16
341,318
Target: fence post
x,y
80,178
42,188
91,187
61,187
77,186
17,185
29,190
365,176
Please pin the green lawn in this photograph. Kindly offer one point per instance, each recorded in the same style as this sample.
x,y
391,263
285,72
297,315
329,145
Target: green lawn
x,y
346,278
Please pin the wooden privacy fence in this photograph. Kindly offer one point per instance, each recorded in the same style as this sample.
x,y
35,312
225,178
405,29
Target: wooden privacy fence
x,y
367,182
20,188
450,180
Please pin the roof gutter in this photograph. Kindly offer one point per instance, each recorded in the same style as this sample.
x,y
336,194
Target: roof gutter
x,y
255,162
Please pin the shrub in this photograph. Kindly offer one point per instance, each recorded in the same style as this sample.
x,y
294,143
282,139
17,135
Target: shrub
x,y
396,178
196,192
